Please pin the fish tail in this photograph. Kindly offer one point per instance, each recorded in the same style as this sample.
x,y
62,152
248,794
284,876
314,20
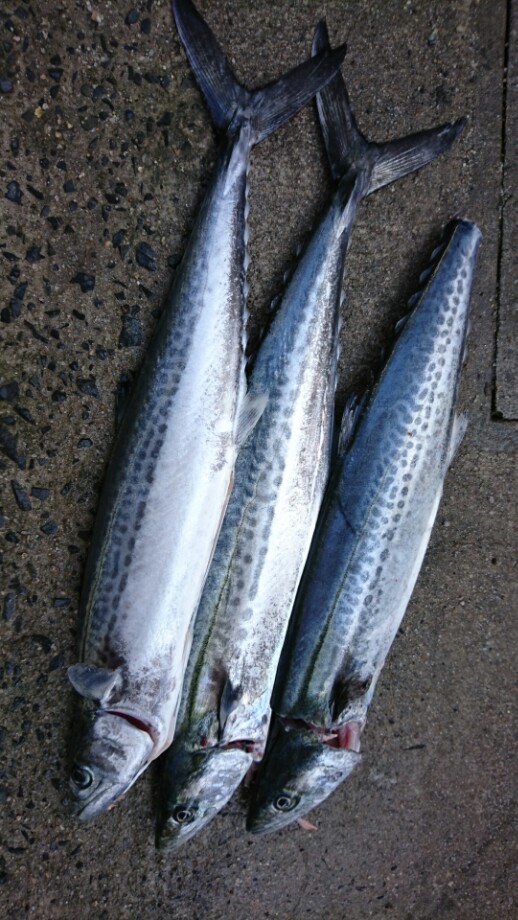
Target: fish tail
x,y
348,149
230,103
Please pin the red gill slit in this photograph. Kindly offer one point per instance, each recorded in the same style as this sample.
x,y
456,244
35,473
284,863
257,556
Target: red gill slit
x,y
244,745
255,748
345,737
133,720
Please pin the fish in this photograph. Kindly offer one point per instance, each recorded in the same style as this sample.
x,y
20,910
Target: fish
x,y
370,541
171,470
280,477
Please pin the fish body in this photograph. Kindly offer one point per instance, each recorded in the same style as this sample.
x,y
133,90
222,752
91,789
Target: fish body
x,y
280,477
171,471
369,545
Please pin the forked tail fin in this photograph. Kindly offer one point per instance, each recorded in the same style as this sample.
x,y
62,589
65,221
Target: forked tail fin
x,y
229,102
347,148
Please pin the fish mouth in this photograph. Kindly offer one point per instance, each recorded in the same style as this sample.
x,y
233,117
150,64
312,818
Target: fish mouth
x,y
95,804
106,797
171,837
303,764
200,785
111,758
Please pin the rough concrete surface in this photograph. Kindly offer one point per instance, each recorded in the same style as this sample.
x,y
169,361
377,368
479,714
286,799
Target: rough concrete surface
x,y
106,145
506,389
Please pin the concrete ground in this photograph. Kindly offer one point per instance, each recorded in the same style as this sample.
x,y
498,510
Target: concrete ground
x,y
106,145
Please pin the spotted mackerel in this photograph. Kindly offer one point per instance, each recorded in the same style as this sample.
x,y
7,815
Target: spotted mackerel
x,y
369,544
281,473
171,471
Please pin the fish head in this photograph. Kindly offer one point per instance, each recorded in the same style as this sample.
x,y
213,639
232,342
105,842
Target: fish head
x,y
195,787
298,772
111,754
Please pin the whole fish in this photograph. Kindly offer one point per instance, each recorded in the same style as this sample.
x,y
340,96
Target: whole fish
x,y
369,544
281,473
171,472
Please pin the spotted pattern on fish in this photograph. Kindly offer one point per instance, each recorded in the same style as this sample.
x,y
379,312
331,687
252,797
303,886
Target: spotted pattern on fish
x,y
380,508
172,464
279,479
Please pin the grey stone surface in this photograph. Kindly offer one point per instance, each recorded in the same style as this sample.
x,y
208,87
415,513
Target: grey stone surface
x,y
506,392
106,145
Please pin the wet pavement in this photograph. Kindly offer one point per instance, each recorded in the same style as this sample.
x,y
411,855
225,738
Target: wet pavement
x,y
106,148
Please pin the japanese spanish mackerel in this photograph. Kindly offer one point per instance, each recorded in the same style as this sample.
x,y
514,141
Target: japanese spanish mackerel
x,y
172,467
369,544
281,474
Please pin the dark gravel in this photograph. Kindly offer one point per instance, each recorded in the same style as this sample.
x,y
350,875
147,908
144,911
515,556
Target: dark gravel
x,y
106,151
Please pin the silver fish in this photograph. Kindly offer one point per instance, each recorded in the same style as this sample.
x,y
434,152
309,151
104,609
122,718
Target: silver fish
x,y
369,545
171,472
281,473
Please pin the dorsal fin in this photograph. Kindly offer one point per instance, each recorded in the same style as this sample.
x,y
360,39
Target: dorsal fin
x,y
426,274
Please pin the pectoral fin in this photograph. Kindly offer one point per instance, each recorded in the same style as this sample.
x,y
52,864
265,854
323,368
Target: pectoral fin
x,y
92,682
229,701
350,418
460,425
348,687
249,414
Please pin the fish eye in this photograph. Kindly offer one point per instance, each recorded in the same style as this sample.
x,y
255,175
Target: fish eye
x,y
286,802
82,777
182,814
